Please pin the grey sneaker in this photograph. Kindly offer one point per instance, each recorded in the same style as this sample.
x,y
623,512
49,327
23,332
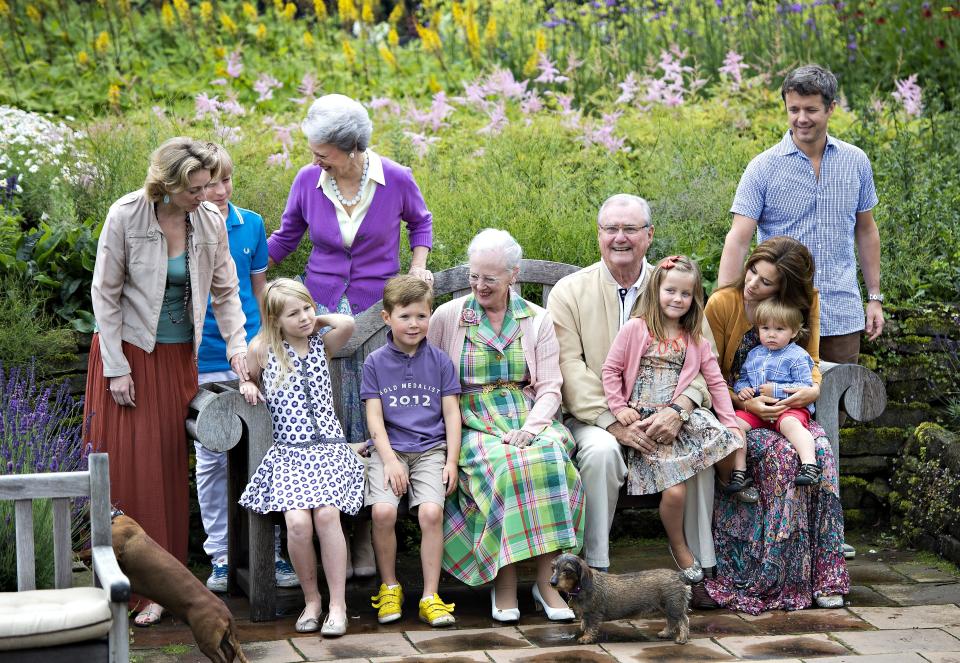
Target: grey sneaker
x,y
284,574
217,582
749,495
832,601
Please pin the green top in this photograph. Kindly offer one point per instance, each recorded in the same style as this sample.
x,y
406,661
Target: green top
x,y
176,324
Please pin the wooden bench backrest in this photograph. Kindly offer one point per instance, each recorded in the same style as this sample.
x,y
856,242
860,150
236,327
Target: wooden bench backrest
x,y
60,487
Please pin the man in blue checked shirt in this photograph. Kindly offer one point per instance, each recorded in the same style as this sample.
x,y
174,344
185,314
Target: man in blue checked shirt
x,y
820,191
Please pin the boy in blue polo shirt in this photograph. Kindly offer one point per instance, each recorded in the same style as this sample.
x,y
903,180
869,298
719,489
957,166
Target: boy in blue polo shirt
x,y
412,392
248,247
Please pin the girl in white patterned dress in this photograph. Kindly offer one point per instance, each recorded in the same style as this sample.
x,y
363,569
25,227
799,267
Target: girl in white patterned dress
x,y
310,474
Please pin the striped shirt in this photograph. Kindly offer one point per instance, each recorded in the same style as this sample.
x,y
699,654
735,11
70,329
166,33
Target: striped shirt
x,y
780,191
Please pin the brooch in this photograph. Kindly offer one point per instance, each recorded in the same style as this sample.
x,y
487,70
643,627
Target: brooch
x,y
468,316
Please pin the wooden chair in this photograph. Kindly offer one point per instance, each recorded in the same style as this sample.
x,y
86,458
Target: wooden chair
x,y
66,623
221,420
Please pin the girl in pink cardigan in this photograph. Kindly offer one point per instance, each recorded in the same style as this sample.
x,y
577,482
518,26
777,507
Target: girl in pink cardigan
x,y
655,356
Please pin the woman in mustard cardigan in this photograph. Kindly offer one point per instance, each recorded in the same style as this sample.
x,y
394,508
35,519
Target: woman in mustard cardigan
x,y
785,552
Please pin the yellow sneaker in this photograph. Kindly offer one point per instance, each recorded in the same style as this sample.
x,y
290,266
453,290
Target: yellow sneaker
x,y
388,602
435,612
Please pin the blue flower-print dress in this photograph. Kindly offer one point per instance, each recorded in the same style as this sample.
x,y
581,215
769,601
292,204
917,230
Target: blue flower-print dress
x,y
310,464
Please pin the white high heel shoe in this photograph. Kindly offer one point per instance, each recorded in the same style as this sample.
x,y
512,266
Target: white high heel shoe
x,y
508,615
553,614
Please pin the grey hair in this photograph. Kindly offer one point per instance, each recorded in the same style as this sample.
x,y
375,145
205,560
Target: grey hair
x,y
491,240
811,79
340,121
626,200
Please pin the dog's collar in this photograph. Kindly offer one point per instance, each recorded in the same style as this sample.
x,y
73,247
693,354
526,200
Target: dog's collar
x,y
114,512
575,592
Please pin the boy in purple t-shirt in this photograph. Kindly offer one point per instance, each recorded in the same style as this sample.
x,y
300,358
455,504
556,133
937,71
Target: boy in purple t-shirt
x,y
411,391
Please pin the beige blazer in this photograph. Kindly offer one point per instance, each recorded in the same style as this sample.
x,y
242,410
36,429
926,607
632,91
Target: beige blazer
x,y
130,276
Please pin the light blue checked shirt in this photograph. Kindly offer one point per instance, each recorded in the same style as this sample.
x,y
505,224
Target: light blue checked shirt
x,y
789,367
778,189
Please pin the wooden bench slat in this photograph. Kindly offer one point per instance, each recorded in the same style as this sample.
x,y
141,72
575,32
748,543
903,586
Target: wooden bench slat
x,y
65,484
62,549
26,569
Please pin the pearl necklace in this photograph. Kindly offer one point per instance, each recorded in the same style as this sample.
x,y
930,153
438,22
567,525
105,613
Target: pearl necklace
x,y
363,183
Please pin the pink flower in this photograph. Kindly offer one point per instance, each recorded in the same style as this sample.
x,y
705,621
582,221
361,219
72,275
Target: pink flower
x,y
572,64
206,105
733,67
420,142
628,89
531,103
159,112
265,86
280,159
909,94
498,120
502,82
234,65
548,72
308,88
468,317
386,103
231,106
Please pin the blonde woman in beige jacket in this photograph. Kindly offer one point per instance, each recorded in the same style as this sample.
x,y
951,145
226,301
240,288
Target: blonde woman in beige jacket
x,y
162,253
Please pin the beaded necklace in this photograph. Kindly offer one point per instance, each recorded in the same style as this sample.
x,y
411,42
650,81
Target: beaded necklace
x,y
363,183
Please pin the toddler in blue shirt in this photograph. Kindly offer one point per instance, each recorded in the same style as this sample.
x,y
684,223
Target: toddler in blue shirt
x,y
773,366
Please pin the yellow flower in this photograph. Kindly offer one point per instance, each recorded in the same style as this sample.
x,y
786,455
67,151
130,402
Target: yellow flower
x,y
490,32
366,14
167,16
250,11
430,39
289,11
220,51
101,43
393,38
261,32
278,6
473,36
83,59
320,8
308,40
228,23
206,12
113,95
540,42
183,10
34,14
433,84
532,64
124,6
388,56
349,53
435,19
4,8
396,14
347,11
457,10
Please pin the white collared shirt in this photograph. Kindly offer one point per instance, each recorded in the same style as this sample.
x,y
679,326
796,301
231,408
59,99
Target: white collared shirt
x,y
349,224
628,296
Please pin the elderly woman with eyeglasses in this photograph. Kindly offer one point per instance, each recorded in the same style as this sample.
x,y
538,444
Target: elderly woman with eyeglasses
x,y
519,494
162,252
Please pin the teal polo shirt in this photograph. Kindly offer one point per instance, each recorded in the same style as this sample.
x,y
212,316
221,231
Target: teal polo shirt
x,y
248,246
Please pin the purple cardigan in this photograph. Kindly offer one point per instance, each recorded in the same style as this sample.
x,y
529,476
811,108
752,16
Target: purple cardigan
x,y
362,270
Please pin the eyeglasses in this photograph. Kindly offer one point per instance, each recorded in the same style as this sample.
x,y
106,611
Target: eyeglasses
x,y
629,231
474,279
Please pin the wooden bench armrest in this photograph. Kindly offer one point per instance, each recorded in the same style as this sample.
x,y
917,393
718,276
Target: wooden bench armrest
x,y
107,572
857,389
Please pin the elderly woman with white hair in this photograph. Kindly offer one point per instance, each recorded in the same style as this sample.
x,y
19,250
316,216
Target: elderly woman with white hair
x,y
352,201
519,494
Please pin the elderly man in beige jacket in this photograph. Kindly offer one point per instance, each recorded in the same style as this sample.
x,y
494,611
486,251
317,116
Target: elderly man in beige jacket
x,y
588,308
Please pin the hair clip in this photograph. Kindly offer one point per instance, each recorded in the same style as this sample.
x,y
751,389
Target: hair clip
x,y
669,262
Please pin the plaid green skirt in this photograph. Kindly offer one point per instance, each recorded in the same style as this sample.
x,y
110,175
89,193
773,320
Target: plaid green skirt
x,y
511,503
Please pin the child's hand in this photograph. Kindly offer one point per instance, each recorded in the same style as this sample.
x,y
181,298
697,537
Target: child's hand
x,y
746,393
766,389
395,476
450,476
250,393
627,416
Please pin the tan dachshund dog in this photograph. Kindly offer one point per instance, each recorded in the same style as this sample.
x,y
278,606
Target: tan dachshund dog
x,y
157,574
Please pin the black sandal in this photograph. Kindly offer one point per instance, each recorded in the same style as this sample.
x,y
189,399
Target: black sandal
x,y
808,475
739,479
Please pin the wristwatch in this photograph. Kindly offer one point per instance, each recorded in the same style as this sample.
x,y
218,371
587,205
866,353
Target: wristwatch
x,y
875,297
684,415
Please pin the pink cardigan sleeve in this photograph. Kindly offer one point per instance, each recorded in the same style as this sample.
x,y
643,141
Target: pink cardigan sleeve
x,y
614,367
546,388
719,391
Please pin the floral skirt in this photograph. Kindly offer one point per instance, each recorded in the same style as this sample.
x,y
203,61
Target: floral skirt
x,y
787,549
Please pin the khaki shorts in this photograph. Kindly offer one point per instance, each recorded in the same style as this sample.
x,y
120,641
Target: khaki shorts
x,y
425,471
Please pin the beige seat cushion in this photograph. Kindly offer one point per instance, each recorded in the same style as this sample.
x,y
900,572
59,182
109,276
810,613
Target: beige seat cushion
x,y
47,617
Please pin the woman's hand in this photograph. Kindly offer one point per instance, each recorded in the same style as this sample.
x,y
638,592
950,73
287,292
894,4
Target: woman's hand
x,y
632,436
767,408
238,363
662,426
421,273
518,438
122,390
450,477
801,397
250,393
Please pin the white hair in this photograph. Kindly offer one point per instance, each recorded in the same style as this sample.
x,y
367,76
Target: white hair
x,y
626,200
491,240
340,121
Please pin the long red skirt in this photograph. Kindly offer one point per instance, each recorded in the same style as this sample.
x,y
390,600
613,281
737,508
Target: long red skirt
x,y
147,444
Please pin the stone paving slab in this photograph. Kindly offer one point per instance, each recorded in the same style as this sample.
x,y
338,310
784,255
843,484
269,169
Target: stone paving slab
x,y
921,593
919,572
271,651
705,624
773,646
698,649
899,640
578,654
565,635
459,657
359,645
431,642
921,616
805,621
866,572
863,596
876,658
942,656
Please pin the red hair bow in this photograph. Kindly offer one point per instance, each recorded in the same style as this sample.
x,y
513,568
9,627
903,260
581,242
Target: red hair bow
x,y
669,262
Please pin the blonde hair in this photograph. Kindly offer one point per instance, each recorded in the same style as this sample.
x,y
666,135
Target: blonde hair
x,y
650,310
172,164
770,311
405,290
224,161
275,297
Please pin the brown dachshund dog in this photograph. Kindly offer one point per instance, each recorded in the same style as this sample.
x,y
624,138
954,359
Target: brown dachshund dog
x,y
157,574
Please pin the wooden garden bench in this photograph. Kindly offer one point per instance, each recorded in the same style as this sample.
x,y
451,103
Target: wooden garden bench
x,y
221,420
66,623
